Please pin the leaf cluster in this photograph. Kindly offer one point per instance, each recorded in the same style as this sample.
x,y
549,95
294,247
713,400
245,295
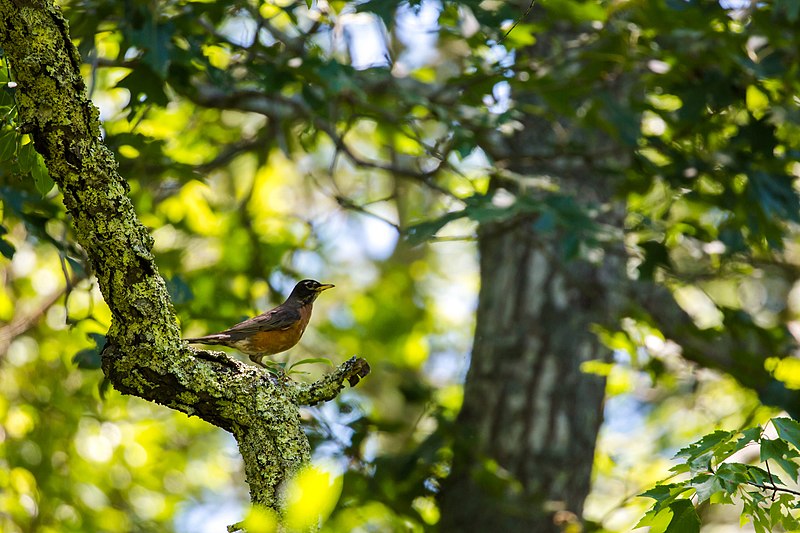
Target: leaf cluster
x,y
714,473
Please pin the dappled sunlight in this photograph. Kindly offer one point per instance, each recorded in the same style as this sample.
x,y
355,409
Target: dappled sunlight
x,y
606,192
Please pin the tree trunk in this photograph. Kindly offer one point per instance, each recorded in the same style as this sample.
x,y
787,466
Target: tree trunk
x,y
526,433
527,429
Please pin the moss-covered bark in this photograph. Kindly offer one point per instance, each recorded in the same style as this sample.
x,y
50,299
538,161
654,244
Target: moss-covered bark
x,y
144,355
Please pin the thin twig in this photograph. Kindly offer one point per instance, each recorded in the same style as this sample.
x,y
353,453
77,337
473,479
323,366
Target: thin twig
x,y
26,321
771,481
229,152
527,11
774,488
347,203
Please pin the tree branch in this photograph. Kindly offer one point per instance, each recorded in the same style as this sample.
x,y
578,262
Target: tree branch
x,y
738,351
774,488
144,355
282,107
330,385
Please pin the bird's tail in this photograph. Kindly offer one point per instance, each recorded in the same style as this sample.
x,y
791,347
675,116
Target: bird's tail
x,y
217,338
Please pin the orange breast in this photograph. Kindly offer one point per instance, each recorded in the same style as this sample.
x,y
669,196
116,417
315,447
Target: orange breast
x,y
276,341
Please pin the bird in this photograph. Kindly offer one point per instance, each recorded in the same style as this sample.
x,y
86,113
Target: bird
x,y
273,331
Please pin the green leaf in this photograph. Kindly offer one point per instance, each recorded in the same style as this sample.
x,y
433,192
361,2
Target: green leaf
x,y
732,475
751,508
706,485
8,144
77,266
680,468
749,435
545,223
657,521
788,429
554,211
665,495
88,359
786,502
7,249
579,11
155,39
91,358
775,513
622,121
699,454
772,449
385,9
41,177
522,35
757,102
144,86
311,360
778,450
26,157
684,518
762,477
655,255
788,8
706,443
99,339
570,246
775,195
103,387
424,231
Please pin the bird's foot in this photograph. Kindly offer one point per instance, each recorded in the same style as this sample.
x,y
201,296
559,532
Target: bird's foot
x,y
273,367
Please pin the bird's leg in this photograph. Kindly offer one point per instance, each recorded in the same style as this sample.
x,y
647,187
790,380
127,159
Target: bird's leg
x,y
275,369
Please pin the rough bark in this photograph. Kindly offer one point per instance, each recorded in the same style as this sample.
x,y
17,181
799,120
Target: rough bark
x,y
144,355
531,414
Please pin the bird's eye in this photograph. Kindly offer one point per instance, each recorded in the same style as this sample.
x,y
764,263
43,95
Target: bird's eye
x,y
309,284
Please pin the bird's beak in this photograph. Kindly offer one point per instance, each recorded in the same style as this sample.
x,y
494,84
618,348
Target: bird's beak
x,y
325,287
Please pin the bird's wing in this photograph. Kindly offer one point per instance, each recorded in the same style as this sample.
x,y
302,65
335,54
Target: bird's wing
x,y
275,319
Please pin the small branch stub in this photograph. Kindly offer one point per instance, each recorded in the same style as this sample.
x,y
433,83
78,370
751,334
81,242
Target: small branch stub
x,y
329,386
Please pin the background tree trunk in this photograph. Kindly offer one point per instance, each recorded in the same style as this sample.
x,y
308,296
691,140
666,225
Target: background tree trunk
x,y
529,413
526,433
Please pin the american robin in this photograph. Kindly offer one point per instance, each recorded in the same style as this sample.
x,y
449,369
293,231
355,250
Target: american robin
x,y
272,332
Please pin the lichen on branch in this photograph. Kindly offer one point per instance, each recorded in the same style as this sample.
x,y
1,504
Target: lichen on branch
x,y
144,355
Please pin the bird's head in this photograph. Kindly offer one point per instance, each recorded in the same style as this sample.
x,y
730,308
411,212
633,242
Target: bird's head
x,y
306,291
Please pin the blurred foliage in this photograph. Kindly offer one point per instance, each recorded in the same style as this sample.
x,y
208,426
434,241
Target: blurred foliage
x,y
270,141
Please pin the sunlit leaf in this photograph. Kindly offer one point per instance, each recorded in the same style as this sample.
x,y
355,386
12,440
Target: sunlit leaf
x,y
757,102
261,520
311,496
